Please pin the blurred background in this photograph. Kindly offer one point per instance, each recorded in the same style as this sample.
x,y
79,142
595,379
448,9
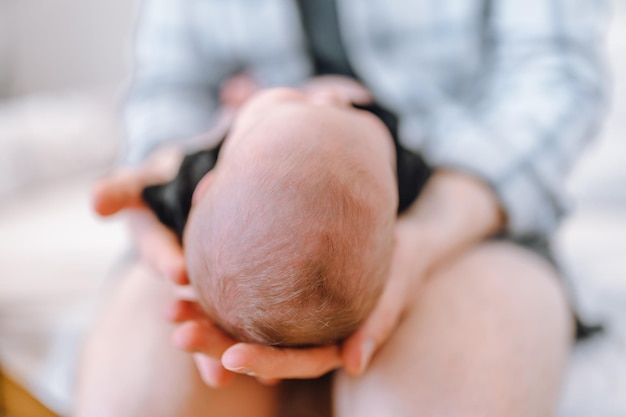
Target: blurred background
x,y
64,65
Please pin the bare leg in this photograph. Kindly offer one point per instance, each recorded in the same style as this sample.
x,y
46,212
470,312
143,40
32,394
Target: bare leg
x,y
130,367
488,336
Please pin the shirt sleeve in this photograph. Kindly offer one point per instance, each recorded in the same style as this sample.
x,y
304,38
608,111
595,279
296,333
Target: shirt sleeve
x,y
174,91
540,97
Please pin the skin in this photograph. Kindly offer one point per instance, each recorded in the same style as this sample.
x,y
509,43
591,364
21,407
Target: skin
x,y
468,328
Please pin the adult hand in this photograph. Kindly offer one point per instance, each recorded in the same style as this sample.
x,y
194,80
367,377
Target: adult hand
x,y
121,191
198,335
406,274
454,211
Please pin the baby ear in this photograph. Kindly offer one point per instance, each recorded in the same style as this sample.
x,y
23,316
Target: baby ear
x,y
202,186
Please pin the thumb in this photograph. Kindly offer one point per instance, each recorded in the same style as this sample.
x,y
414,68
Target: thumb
x,y
116,192
359,349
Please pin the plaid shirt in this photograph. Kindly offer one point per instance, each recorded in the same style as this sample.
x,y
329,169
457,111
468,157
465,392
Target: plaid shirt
x,y
508,90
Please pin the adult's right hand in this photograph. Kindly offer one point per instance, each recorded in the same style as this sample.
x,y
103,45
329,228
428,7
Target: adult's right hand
x,y
121,192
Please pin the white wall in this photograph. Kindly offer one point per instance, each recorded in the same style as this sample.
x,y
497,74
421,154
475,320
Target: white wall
x,y
55,45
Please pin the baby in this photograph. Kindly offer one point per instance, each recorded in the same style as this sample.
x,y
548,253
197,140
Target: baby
x,y
289,236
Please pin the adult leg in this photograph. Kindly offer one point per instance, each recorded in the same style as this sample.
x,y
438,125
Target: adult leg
x,y
130,367
488,335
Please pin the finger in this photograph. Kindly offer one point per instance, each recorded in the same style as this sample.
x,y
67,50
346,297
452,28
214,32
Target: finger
x,y
116,192
122,189
180,311
281,363
359,348
202,337
212,372
159,245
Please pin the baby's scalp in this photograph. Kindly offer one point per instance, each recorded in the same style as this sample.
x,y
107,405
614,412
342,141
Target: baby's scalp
x,y
289,246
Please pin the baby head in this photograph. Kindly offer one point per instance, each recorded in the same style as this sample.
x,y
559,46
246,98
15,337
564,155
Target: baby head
x,y
289,238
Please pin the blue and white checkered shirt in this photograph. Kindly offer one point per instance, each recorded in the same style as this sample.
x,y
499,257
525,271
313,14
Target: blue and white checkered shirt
x,y
508,90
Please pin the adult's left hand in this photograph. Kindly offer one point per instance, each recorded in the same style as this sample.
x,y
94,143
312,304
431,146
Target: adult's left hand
x,y
198,335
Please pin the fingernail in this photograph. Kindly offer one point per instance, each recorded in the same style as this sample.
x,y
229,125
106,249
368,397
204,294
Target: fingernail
x,y
241,371
367,350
